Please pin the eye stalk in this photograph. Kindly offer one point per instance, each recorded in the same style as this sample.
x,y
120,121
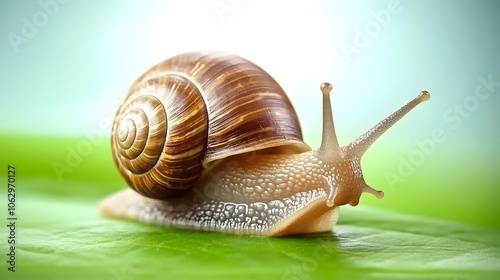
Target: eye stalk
x,y
329,144
363,142
349,185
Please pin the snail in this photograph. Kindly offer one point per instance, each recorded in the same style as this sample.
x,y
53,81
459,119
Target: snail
x,y
210,141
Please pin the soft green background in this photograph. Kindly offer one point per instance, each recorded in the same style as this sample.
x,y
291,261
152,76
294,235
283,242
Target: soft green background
x,y
60,89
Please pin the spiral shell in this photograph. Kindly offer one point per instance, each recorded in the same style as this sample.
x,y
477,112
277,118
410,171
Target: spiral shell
x,y
193,109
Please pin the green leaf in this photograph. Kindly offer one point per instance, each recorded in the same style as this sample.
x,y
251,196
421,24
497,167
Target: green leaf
x,y
60,234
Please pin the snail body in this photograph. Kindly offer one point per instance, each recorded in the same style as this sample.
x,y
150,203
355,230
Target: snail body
x,y
228,154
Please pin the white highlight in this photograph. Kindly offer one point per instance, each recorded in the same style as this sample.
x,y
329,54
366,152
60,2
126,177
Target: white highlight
x,y
289,39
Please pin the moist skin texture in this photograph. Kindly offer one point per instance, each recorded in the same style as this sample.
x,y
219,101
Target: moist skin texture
x,y
250,194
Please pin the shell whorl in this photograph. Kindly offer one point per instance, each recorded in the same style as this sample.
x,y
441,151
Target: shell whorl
x,y
160,137
195,108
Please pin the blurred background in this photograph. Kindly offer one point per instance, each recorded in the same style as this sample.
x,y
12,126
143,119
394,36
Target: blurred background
x,y
66,65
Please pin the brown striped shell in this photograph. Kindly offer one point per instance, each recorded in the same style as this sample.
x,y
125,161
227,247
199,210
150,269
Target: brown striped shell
x,y
195,108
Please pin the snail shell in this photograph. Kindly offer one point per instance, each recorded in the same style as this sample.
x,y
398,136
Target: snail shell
x,y
193,109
